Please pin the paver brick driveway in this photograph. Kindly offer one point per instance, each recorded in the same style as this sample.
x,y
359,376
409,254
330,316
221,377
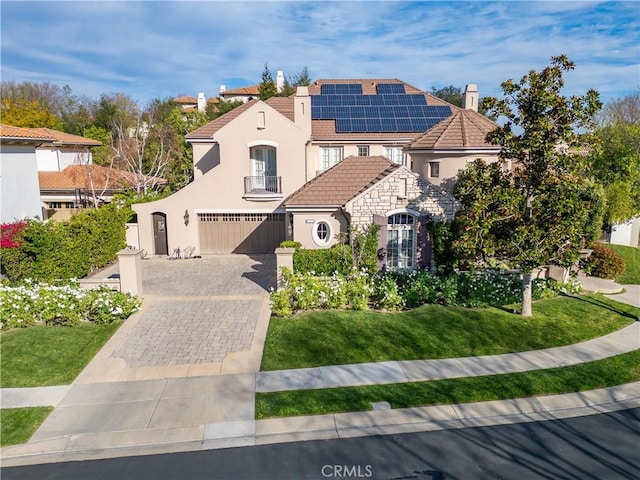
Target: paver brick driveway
x,y
197,310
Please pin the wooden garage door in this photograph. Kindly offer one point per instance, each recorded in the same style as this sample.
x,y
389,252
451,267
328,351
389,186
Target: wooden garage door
x,y
240,232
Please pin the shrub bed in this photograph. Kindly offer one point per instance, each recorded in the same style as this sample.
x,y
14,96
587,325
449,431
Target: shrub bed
x,y
397,290
50,251
30,303
604,261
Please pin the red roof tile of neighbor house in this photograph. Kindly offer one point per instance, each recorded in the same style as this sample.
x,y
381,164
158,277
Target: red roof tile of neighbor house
x,y
207,131
87,177
10,132
342,182
465,128
251,90
186,99
62,138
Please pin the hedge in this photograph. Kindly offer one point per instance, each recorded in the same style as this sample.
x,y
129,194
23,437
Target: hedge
x,y
48,251
604,261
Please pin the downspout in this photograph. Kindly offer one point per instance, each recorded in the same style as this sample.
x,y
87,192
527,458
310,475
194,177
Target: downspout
x,y
306,158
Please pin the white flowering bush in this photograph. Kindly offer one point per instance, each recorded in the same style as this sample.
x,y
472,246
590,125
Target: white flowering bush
x,y
398,290
30,303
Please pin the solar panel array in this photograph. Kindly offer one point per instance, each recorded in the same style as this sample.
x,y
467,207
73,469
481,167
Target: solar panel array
x,y
391,110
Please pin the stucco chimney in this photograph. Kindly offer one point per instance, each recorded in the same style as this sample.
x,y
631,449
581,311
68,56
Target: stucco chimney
x,y
202,102
302,109
280,81
223,88
470,99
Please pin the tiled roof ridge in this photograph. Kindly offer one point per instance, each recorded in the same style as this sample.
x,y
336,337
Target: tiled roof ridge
x,y
207,131
68,138
441,128
10,131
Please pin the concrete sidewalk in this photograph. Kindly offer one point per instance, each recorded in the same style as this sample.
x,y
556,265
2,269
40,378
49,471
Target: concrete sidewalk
x,y
182,414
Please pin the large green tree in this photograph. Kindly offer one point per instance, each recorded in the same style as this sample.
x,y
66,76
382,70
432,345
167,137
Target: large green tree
x,y
267,87
539,211
617,162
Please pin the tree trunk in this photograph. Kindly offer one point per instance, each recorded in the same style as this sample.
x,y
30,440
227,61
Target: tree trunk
x,y
526,294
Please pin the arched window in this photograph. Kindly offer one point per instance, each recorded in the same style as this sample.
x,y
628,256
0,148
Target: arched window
x,y
400,241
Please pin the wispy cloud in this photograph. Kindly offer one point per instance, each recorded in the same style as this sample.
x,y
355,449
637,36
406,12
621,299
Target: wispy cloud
x,y
160,49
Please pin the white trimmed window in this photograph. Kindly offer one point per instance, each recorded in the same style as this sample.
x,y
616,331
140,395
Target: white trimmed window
x,y
329,156
434,169
394,154
400,241
363,150
321,233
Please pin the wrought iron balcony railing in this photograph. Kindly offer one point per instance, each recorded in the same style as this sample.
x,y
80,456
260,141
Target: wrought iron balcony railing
x,y
262,184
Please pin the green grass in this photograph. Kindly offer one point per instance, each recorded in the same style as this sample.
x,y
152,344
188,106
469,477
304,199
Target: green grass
x,y
41,356
18,424
587,376
631,255
433,331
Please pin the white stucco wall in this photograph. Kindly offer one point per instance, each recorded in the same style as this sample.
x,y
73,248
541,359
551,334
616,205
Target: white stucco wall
x,y
626,233
305,222
450,164
56,159
19,187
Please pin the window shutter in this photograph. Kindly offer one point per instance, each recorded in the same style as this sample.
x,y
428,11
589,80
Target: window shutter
x,y
382,241
423,243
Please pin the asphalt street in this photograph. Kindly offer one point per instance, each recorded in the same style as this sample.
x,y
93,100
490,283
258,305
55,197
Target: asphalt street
x,y
598,447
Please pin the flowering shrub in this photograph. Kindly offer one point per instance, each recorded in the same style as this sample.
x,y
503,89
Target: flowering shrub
x,y
10,234
397,290
604,261
30,303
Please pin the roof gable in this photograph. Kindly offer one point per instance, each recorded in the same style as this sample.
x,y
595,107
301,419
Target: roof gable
x,y
342,182
464,129
207,131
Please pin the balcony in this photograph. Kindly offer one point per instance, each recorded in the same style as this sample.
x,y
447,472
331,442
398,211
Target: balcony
x,y
262,188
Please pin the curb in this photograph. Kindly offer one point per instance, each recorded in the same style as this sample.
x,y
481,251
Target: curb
x,y
325,427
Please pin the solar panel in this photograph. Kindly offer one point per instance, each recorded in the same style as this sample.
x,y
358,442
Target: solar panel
x,y
391,110
387,88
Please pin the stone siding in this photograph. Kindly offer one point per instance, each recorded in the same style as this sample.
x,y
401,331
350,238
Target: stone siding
x,y
401,190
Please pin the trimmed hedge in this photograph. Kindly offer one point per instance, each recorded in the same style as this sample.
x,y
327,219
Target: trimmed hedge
x,y
324,261
70,249
604,261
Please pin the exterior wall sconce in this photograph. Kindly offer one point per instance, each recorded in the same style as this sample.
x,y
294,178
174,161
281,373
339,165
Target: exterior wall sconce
x,y
186,218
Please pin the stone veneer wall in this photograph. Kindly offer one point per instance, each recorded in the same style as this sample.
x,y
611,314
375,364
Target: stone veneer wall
x,y
386,196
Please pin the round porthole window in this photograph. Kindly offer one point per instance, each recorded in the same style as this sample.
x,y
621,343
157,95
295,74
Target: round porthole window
x,y
321,232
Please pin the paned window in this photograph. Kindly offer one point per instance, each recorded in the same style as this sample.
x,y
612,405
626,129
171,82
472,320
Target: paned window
x,y
329,156
321,232
363,150
394,154
434,169
400,241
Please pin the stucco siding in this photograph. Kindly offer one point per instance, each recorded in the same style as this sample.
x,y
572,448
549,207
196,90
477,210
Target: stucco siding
x,y
305,222
19,187
450,165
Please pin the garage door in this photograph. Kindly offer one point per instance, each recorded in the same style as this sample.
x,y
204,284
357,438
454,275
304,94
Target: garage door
x,y
240,232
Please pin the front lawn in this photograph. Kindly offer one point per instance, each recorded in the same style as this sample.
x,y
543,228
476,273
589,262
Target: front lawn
x,y
336,337
42,355
18,424
631,255
612,371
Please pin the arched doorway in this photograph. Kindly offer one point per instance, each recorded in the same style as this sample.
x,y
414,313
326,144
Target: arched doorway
x,y
160,233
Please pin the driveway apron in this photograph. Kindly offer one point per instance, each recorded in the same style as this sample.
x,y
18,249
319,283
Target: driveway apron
x,y
187,360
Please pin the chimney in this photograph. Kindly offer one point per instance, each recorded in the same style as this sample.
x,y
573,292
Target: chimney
x,y
470,99
280,81
202,102
223,88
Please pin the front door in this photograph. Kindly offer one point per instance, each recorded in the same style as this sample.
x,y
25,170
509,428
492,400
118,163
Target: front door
x,y
160,233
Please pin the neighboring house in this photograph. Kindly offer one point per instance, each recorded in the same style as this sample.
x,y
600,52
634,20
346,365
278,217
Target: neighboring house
x,y
66,149
248,161
19,189
81,186
190,104
246,94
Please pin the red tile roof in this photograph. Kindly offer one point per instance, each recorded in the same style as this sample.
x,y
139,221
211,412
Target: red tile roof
x,y
463,129
207,131
87,177
284,105
10,132
186,99
62,138
342,182
251,90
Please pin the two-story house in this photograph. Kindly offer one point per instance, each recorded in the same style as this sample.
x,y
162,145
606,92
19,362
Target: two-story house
x,y
251,167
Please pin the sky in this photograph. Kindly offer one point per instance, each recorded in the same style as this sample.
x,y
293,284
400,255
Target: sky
x,y
151,50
